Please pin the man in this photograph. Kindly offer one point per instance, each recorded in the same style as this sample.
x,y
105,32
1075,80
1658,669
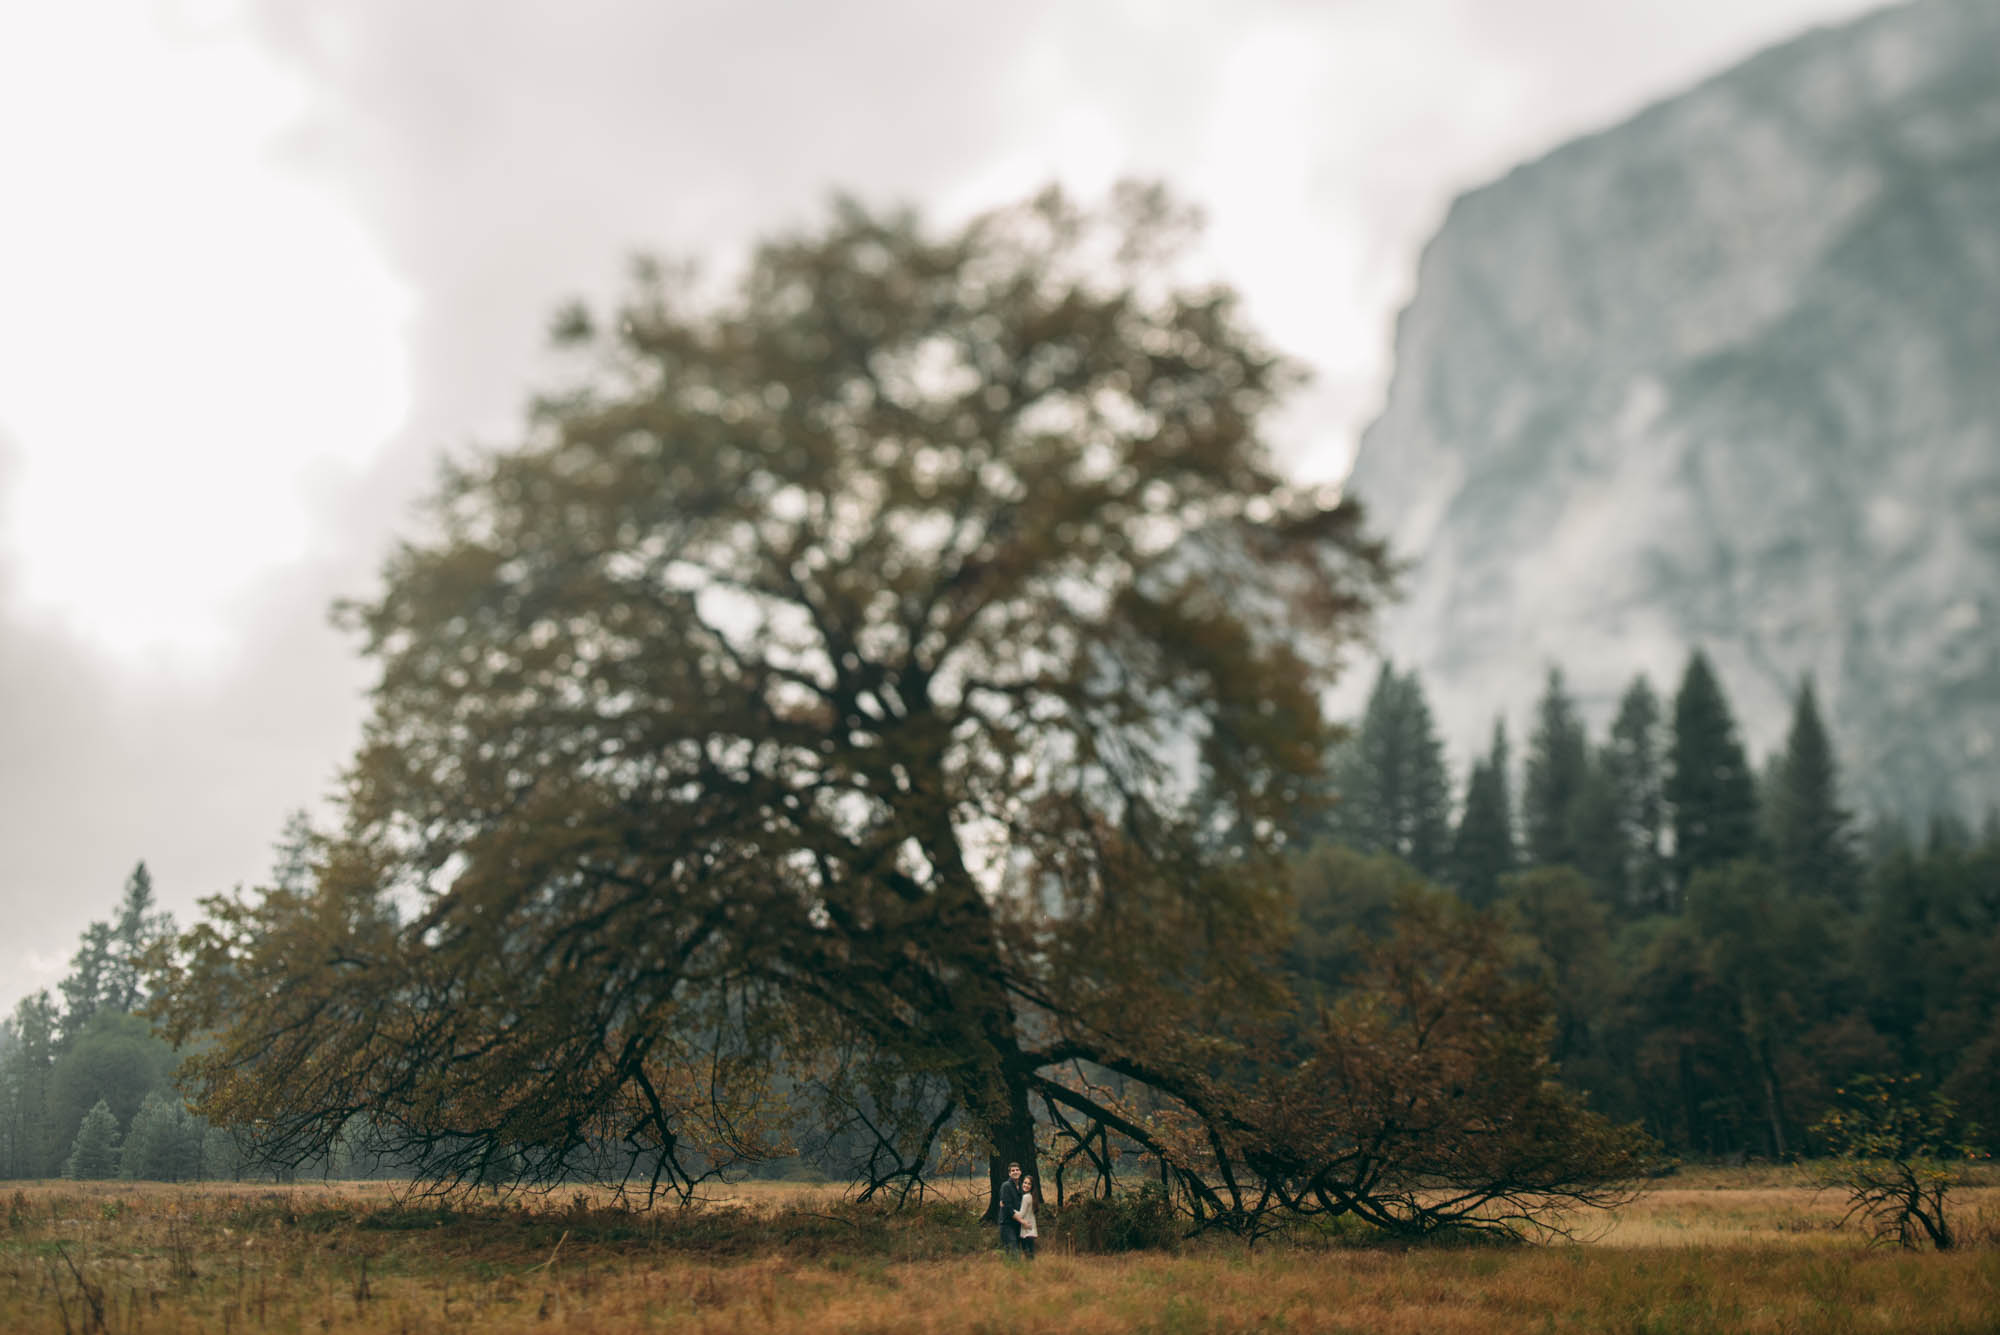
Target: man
x,y
1010,1201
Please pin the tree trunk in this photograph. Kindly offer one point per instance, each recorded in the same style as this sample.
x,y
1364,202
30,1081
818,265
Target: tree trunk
x,y
1013,1142
993,1085
1690,1101
1773,1109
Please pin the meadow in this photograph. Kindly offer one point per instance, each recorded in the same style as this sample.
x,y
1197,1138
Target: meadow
x,y
1707,1250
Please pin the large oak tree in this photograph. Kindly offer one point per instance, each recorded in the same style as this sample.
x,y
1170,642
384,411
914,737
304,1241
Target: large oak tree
x,y
914,654
886,690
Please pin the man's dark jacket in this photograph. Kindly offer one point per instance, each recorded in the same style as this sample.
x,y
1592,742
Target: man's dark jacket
x,y
1010,1201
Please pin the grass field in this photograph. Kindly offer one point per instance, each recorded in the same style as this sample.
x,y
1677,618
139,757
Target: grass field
x,y
1706,1251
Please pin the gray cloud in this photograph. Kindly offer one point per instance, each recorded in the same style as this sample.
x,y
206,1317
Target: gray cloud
x,y
104,766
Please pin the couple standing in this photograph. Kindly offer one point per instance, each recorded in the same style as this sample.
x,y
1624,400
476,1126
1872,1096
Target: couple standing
x,y
1017,1214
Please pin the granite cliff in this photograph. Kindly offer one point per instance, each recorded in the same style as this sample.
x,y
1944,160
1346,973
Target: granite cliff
x,y
1727,374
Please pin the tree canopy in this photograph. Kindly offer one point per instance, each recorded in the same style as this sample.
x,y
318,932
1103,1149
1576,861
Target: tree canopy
x,y
914,653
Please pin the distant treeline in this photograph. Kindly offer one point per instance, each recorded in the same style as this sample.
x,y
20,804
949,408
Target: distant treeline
x,y
1727,945
87,1088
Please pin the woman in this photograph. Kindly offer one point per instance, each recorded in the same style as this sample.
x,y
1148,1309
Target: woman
x,y
1025,1216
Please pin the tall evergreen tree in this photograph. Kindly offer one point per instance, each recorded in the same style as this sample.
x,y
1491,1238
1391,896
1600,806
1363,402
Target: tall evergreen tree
x,y
1811,833
1426,822
94,1152
137,927
1483,847
1708,785
1395,796
26,1056
1630,764
1599,835
1554,777
1367,778
87,987
104,973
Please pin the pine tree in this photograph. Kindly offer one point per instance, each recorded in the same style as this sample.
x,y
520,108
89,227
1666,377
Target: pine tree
x,y
164,1143
28,1042
135,929
104,973
1394,793
86,989
1426,818
1483,847
1598,832
1554,778
1367,775
1811,833
1630,764
1708,784
94,1153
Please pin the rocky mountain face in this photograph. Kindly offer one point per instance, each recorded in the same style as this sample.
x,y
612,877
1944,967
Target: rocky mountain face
x,y
1726,375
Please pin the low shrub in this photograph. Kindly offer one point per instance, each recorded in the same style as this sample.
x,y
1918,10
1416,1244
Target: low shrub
x,y
1126,1221
1342,1230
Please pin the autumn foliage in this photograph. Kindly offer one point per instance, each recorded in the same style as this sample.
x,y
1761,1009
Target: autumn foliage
x,y
890,692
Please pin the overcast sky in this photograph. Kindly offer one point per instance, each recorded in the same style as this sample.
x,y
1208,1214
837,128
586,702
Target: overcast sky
x,y
261,260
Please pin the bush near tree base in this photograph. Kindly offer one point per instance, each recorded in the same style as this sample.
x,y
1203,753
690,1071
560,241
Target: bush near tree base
x,y
1897,1155
1125,1221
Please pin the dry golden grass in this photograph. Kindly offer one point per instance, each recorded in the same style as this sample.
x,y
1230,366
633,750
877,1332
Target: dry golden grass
x,y
1699,1254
